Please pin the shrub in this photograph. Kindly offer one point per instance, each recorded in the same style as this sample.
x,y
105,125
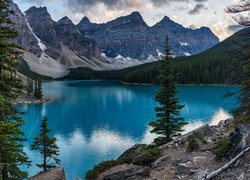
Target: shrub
x,y
193,142
103,166
193,145
223,148
147,156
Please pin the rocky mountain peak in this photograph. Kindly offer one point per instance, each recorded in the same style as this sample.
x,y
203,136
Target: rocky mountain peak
x,y
134,17
167,22
136,14
85,20
38,11
65,20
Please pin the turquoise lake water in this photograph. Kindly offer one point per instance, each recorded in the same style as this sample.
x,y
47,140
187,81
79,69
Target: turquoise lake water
x,y
97,120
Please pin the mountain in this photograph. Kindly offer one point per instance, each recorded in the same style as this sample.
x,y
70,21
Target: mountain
x,y
130,36
221,64
51,48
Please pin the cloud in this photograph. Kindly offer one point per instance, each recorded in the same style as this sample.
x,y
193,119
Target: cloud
x,y
234,28
197,9
83,5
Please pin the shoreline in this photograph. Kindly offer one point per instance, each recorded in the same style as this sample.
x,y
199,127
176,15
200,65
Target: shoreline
x,y
150,84
31,100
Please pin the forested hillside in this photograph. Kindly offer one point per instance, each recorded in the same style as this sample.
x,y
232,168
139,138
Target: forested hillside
x,y
220,64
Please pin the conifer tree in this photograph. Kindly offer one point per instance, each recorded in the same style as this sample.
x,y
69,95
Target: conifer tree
x,y
46,146
168,124
39,90
30,87
36,90
12,155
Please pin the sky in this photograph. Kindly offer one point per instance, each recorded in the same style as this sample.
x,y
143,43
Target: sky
x,y
189,13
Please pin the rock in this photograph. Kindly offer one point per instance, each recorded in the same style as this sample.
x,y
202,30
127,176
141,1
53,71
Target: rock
x,y
239,138
132,172
180,169
225,123
204,131
131,153
160,162
55,174
200,174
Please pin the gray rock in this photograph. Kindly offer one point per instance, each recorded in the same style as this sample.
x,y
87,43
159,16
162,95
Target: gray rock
x,y
180,170
131,153
200,174
239,138
205,131
132,173
54,174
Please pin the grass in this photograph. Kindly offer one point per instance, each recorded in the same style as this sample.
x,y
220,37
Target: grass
x,y
223,148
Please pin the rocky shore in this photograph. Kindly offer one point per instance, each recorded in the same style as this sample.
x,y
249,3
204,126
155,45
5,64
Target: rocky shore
x,y
26,99
191,156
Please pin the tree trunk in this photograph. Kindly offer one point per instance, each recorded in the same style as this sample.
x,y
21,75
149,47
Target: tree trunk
x,y
4,173
226,166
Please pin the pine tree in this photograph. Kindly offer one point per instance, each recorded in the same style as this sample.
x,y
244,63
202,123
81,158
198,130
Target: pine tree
x,y
46,146
168,124
39,90
30,87
36,90
12,155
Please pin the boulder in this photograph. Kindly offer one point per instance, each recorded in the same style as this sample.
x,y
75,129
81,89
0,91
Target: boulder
x,y
240,138
131,153
132,172
54,174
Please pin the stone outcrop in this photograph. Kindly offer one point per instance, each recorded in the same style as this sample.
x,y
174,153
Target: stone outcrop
x,y
175,162
55,174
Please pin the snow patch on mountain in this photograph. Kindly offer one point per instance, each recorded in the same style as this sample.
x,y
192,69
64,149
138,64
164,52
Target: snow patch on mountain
x,y
40,44
187,54
160,54
184,43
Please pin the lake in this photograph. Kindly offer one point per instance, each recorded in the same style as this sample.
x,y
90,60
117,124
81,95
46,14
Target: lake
x,y
98,120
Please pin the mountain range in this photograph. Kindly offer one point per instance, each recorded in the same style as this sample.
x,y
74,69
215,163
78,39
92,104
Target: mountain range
x,y
51,48
130,36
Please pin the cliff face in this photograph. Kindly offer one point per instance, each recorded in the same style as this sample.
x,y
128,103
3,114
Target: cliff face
x,y
130,36
25,38
55,34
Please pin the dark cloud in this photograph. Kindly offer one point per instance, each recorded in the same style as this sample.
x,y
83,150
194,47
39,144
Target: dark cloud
x,y
197,9
81,5
235,28
200,1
